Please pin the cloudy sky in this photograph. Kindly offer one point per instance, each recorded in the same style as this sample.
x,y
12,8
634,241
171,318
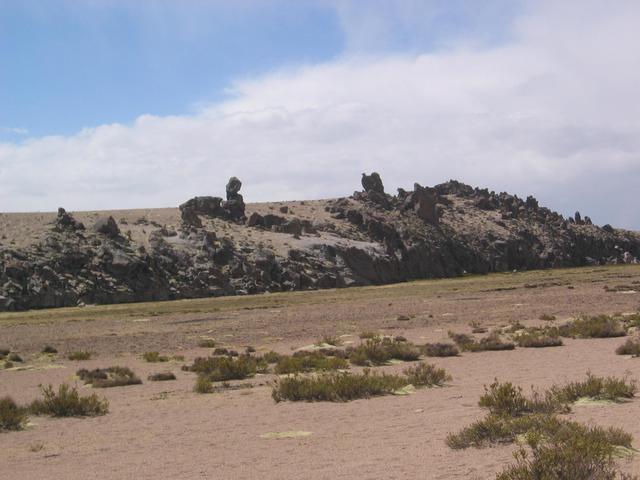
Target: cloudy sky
x,y
119,104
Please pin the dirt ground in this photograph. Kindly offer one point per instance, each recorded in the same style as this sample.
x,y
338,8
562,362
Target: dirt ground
x,y
164,430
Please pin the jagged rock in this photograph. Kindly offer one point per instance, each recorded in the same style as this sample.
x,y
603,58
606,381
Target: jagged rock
x,y
372,183
107,226
424,204
235,203
578,218
255,219
66,222
284,209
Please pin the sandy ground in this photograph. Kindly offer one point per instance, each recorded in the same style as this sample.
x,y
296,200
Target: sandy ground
x,y
164,430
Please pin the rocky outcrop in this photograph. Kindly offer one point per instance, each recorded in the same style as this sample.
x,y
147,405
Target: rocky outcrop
x,y
369,238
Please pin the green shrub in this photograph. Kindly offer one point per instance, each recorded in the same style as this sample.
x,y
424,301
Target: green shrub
x,y
601,326
14,357
12,417
203,385
224,368
154,357
572,452
536,338
207,343
336,387
271,357
630,347
426,375
368,334
597,388
505,399
310,361
49,349
67,402
379,350
161,377
108,377
440,350
495,429
79,355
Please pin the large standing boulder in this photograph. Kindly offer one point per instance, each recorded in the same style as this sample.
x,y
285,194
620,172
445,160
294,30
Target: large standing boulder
x,y
107,226
235,203
374,189
66,222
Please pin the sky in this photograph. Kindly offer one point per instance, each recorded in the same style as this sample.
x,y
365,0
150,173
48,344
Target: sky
x,y
109,104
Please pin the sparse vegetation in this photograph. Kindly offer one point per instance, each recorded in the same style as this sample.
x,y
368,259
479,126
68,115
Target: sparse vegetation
x,y
368,334
571,452
12,416
426,375
440,350
207,343
49,349
538,338
336,387
203,385
108,377
505,399
547,317
79,355
154,357
600,326
329,340
309,361
14,357
379,350
630,347
271,357
4,352
224,368
596,388
67,402
161,377
490,342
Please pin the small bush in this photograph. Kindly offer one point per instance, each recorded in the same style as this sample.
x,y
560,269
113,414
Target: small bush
x,y
630,347
505,399
154,357
440,350
477,327
336,387
207,343
368,334
8,364
547,317
597,388
12,417
490,342
108,377
461,339
311,361
573,452
161,377
79,355
221,351
379,350
67,402
49,349
535,338
203,385
4,352
329,340
601,326
14,357
224,368
426,375
271,357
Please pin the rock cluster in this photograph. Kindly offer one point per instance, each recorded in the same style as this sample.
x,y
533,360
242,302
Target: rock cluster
x,y
369,238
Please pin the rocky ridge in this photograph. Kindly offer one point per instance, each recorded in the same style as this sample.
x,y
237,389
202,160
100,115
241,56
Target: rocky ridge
x,y
212,247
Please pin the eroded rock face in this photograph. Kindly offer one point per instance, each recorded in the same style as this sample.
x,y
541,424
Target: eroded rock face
x,y
66,222
235,203
107,226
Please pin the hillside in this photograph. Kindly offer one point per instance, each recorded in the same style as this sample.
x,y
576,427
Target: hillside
x,y
211,247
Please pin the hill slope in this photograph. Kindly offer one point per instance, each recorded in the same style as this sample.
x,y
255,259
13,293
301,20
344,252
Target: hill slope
x,y
211,247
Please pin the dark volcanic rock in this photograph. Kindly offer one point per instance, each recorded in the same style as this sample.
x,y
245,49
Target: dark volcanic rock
x,y
107,226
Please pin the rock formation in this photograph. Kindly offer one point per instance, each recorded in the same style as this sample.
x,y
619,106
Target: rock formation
x,y
369,238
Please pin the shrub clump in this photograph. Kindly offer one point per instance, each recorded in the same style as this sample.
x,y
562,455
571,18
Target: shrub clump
x,y
49,349
596,388
154,357
630,347
490,342
426,375
440,350
572,452
67,402
161,377
203,385
12,417
79,355
271,357
309,361
537,338
379,350
108,377
600,326
225,368
505,399
336,387
207,343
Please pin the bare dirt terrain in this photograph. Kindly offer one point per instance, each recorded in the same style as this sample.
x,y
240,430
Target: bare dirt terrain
x,y
164,430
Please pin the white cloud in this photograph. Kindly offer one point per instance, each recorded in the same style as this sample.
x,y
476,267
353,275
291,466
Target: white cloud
x,y
553,113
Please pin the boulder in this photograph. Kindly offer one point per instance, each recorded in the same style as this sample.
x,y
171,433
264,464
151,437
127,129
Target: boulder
x,y
107,226
66,222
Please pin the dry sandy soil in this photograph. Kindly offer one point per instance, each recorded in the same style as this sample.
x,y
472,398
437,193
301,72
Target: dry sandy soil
x,y
164,430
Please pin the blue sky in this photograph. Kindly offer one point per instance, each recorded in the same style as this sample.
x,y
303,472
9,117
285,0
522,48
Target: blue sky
x,y
121,104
